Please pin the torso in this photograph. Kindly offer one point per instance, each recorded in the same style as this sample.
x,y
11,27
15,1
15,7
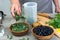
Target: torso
x,y
43,5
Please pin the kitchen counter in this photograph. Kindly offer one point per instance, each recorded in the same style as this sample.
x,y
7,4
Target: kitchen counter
x,y
8,21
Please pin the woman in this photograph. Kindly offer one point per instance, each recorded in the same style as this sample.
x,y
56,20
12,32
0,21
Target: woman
x,y
43,5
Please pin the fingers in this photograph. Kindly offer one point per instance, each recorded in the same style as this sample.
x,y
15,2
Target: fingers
x,y
15,8
12,11
57,10
18,10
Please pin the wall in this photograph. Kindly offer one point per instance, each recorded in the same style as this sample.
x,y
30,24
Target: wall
x,y
5,7
59,2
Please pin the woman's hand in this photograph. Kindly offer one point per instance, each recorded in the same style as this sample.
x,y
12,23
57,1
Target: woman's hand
x,y
57,9
15,6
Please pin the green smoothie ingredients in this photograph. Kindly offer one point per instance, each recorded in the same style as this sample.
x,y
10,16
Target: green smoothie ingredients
x,y
18,27
55,22
24,39
9,37
17,17
43,30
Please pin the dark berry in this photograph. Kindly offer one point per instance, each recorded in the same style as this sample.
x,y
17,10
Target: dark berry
x,y
42,30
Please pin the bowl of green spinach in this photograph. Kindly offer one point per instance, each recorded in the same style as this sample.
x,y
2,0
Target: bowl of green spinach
x,y
19,28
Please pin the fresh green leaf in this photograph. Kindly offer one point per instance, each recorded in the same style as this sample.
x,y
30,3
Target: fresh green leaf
x,y
7,36
11,37
19,27
18,17
22,17
22,39
55,22
27,38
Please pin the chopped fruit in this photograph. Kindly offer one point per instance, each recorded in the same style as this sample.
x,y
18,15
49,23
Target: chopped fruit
x,y
58,30
35,24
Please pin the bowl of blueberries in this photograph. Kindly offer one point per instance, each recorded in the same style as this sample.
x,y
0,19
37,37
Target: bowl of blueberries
x,y
43,32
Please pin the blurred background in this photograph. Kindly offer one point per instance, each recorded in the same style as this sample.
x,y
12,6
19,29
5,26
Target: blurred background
x,y
5,7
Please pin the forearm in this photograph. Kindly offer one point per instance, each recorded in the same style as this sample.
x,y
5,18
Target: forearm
x,y
56,3
14,1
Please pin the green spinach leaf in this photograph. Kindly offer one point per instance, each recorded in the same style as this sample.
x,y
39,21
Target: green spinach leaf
x,y
55,22
18,17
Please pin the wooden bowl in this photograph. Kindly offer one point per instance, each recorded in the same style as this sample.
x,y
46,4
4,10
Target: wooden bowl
x,y
24,32
43,37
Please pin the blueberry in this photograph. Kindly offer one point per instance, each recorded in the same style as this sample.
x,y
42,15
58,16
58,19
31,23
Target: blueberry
x,y
42,30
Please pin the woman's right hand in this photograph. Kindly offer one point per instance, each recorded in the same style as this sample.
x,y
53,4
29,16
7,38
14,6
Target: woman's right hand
x,y
15,6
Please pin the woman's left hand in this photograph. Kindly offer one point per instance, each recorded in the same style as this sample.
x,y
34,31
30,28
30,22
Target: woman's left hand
x,y
57,9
